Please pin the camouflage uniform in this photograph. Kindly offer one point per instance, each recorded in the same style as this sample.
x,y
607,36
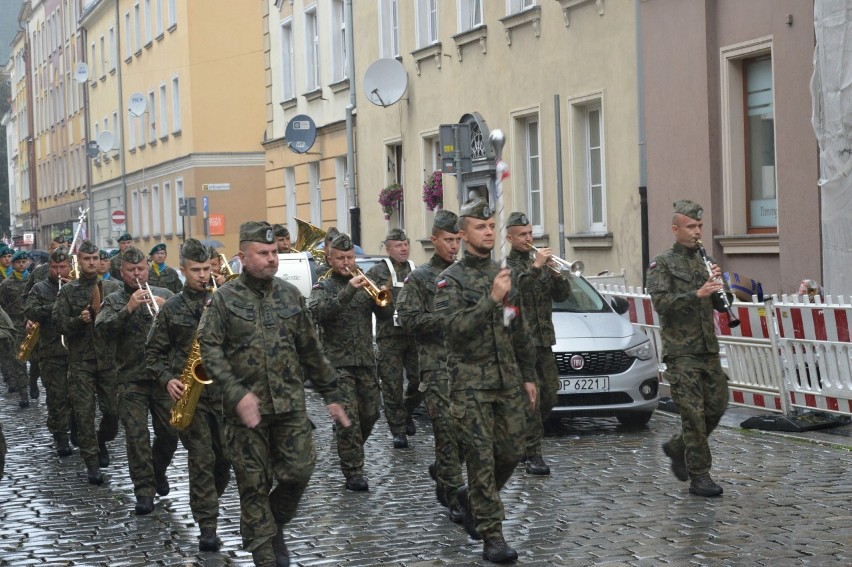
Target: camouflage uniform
x,y
106,381
39,274
115,267
167,278
343,313
7,331
257,337
166,354
12,301
537,289
141,394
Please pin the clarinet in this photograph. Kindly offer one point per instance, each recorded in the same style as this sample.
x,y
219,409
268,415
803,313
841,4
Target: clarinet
x,y
733,321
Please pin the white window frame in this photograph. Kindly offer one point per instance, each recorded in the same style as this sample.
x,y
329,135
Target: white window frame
x,y
172,13
517,6
426,22
176,118
288,60
152,118
341,194
155,210
137,23
131,132
168,209
312,60
599,226
532,162
290,199
338,35
134,214
315,192
388,28
158,13
93,63
145,202
103,56
113,52
468,10
179,194
128,37
148,38
164,113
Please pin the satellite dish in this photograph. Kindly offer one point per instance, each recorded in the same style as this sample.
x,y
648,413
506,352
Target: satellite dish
x,y
81,73
301,133
105,140
385,82
138,104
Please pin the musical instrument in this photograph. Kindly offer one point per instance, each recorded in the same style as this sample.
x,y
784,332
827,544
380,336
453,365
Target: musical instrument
x,y
576,267
224,271
309,237
194,378
382,297
29,343
733,321
75,268
153,308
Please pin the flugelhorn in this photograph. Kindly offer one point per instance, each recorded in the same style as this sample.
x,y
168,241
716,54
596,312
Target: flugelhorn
x,y
153,308
382,297
576,267
733,321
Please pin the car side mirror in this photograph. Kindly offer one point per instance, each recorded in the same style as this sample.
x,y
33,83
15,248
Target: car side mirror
x,y
619,304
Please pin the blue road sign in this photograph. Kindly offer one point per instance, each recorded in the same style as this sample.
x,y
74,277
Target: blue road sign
x,y
204,204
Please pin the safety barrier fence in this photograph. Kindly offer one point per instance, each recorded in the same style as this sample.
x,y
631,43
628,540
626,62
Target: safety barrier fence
x,y
786,355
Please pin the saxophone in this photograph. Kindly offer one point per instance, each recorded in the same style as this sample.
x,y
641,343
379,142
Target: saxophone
x,y
29,343
193,378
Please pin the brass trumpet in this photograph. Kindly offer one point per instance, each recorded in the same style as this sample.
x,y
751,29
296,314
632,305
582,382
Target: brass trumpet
x,y
576,267
153,308
382,297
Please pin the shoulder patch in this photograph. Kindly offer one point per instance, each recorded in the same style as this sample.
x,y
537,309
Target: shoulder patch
x,y
442,283
652,265
441,304
316,286
406,279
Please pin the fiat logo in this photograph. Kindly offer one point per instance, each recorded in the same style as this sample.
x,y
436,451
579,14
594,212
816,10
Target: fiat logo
x,y
577,362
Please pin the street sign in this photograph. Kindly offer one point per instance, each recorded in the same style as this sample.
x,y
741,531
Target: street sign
x,y
217,224
29,238
182,207
191,209
455,148
216,187
205,204
118,217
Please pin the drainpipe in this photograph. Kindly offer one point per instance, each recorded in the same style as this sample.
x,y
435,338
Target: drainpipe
x,y
557,124
643,171
121,147
354,210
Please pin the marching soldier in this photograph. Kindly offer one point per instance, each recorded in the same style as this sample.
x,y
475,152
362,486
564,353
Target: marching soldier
x,y
5,262
40,273
257,342
7,332
52,354
74,315
125,241
488,364
344,312
12,301
127,317
416,308
216,274
106,380
324,267
538,286
161,275
397,349
166,355
282,239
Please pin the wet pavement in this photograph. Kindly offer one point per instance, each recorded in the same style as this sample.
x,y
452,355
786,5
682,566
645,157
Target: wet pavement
x,y
611,500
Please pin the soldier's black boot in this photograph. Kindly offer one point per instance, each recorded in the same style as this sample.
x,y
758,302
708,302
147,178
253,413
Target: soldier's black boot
x,y
496,550
63,448
279,546
34,392
357,483
703,485
537,466
678,462
144,505
208,541
161,482
468,521
73,434
400,441
24,402
410,427
94,475
103,455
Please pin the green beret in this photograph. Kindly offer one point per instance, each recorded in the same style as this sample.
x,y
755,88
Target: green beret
x,y
5,250
193,250
281,231
87,247
477,208
114,253
59,255
517,219
396,234
132,255
446,221
125,237
342,242
59,239
254,231
157,248
688,208
104,255
20,255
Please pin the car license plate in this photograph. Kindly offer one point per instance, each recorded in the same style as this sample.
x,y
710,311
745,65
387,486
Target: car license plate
x,y
583,385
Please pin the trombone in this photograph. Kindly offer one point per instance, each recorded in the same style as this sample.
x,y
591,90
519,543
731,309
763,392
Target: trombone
x,y
382,297
153,308
575,268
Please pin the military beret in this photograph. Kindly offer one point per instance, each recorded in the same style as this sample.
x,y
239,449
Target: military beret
x,y
59,239
87,247
212,252
5,250
114,253
342,242
104,255
281,231
517,219
20,255
193,250
396,234
688,208
446,221
125,237
59,255
254,231
132,255
477,208
331,234
157,248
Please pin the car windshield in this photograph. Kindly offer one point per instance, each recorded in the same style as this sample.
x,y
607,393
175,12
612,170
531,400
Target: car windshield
x,y
583,299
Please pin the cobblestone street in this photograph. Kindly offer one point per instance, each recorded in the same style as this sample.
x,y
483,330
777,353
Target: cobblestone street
x,y
611,500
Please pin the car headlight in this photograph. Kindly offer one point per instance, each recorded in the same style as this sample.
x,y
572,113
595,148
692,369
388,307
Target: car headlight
x,y
641,351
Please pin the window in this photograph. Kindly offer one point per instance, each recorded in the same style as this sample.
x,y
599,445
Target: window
x,y
427,22
288,60
147,22
167,208
131,133
290,198
172,14
140,130
532,175
516,6
760,144
395,174
315,193
338,30
113,53
128,41
389,28
93,62
341,194
155,208
164,113
595,185
178,197
175,105
312,75
470,14
134,215
145,202
138,27
152,124
103,57
158,17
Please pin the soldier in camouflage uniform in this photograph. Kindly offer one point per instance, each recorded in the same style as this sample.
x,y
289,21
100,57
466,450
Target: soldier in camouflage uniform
x,y
282,239
166,355
488,363
161,275
343,311
12,301
258,342
397,348
106,380
415,307
323,267
538,287
5,363
5,262
53,355
125,316
125,241
684,297
7,331
74,315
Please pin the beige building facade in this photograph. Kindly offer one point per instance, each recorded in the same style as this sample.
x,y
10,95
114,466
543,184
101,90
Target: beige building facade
x,y
17,136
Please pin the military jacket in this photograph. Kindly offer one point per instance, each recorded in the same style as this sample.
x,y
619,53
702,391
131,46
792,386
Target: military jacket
x,y
537,290
12,300
39,274
104,342
115,267
482,354
7,328
343,313
416,309
129,331
79,336
38,307
168,279
380,273
686,321
257,336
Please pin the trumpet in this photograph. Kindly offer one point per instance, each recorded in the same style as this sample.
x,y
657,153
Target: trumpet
x,y
733,321
382,297
576,267
153,308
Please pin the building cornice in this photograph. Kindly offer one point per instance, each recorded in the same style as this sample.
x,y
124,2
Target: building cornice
x,y
192,161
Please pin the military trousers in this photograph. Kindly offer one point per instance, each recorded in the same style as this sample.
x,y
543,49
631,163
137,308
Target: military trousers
x,y
491,425
699,387
209,467
273,463
360,397
54,376
81,386
108,403
141,398
448,454
18,377
547,384
398,353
